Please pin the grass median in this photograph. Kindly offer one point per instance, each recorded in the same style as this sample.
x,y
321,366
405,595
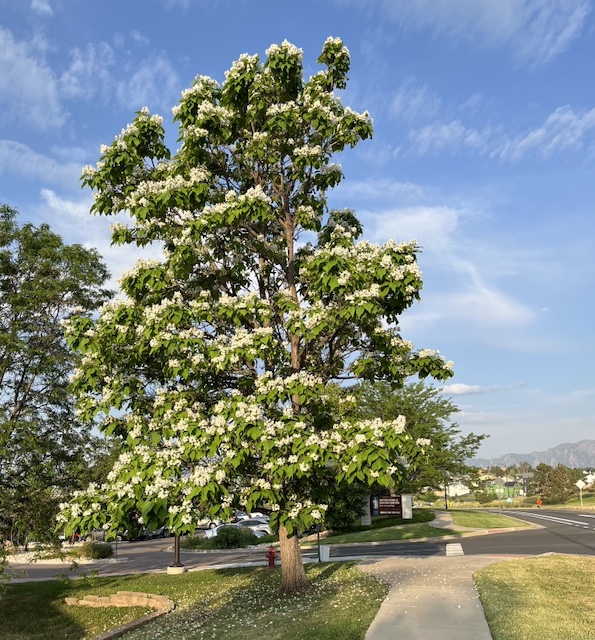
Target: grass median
x,y
230,604
387,529
485,520
543,598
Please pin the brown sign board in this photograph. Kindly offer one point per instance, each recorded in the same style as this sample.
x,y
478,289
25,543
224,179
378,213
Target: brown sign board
x,y
389,506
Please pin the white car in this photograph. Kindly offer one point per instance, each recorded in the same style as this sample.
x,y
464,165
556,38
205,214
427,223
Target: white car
x,y
260,516
259,529
259,526
242,515
207,523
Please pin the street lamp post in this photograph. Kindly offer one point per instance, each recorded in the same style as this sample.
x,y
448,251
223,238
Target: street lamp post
x,y
176,566
447,479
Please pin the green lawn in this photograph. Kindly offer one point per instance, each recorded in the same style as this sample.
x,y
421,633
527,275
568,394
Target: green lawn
x,y
383,530
484,520
543,598
231,604
398,532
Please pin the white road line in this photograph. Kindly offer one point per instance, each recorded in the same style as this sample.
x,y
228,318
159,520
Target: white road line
x,y
454,549
542,516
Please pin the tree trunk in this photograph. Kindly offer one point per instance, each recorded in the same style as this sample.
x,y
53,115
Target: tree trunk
x,y
293,576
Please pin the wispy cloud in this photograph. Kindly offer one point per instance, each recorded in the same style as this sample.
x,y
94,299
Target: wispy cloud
x,y
535,32
89,72
451,137
178,3
35,96
486,306
563,130
477,308
413,102
139,38
20,160
431,226
29,93
72,219
42,8
473,295
155,83
460,389
379,189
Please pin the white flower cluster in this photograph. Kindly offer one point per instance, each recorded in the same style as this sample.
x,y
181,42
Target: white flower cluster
x,y
267,382
308,151
241,346
335,41
88,171
209,111
284,107
194,131
306,214
244,63
140,265
367,256
322,110
174,182
254,193
285,47
201,85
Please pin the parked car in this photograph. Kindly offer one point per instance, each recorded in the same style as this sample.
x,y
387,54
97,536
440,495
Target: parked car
x,y
207,523
99,535
257,525
161,532
213,531
243,515
259,529
258,515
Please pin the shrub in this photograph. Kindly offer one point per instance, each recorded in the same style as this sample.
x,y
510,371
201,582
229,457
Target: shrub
x,y
96,550
483,497
198,542
268,539
234,537
428,497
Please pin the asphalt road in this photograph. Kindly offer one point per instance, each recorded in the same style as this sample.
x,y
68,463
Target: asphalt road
x,y
571,532
564,531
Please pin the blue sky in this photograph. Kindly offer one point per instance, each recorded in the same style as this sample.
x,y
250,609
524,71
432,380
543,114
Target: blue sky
x,y
484,146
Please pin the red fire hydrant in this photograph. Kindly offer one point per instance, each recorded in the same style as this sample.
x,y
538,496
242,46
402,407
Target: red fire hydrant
x,y
271,557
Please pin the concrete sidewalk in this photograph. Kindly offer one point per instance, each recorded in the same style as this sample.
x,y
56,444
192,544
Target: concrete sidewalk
x,y
431,597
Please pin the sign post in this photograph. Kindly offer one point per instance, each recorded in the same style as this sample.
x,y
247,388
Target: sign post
x,y
499,482
581,485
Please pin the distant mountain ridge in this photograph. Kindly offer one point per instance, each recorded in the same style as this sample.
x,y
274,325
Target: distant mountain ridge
x,y
571,454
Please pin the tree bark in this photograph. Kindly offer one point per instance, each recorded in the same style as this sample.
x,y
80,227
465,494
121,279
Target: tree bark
x,y
293,576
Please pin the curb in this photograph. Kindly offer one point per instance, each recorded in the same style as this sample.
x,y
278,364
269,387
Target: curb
x,y
161,604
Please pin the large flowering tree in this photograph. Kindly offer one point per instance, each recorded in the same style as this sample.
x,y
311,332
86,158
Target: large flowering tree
x,y
226,365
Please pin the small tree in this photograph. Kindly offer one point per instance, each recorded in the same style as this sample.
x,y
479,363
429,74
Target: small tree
x,y
222,360
554,484
428,414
